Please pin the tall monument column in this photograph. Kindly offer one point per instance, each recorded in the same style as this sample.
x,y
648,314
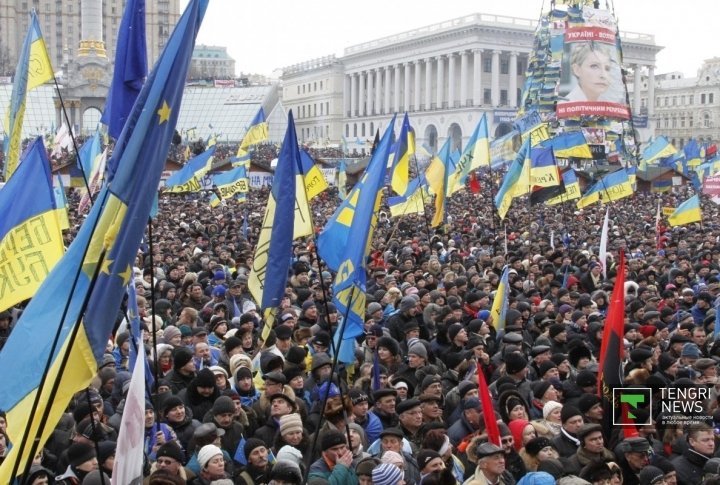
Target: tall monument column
x,y
91,39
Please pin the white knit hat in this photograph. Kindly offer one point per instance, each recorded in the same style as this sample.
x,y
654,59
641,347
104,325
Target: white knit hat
x,y
549,407
207,453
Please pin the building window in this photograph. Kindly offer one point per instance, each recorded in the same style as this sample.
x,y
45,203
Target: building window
x,y
487,96
347,130
674,122
315,86
682,100
362,129
487,64
503,97
354,129
706,120
315,109
702,98
682,122
520,65
320,85
504,66
321,109
327,107
666,122
372,128
691,99
303,111
711,98
674,100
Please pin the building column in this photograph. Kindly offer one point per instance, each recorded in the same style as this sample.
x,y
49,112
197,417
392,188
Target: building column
x,y
369,93
495,97
353,95
440,82
396,94
406,94
416,100
346,96
463,78
512,85
451,80
477,77
428,83
637,89
378,90
361,94
651,91
388,73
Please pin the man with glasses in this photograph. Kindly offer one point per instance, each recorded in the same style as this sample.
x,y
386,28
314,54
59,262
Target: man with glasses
x,y
633,454
170,458
411,420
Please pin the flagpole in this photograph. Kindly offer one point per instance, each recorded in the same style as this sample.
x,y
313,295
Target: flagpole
x,y
341,330
422,197
48,365
156,370
72,137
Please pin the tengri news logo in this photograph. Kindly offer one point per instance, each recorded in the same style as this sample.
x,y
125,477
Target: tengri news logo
x,y
628,401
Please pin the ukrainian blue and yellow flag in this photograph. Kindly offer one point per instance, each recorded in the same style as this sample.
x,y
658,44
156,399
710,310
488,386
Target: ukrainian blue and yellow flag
x,y
570,144
659,148
269,273
354,223
229,184
545,178
500,301
412,202
572,188
72,315
475,155
611,187
512,179
693,153
661,186
437,175
687,212
313,178
342,179
404,151
256,132
33,69
88,159
187,179
129,70
61,203
353,219
31,241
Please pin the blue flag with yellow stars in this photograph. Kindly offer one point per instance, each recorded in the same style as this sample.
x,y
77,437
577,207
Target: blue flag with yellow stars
x,y
68,322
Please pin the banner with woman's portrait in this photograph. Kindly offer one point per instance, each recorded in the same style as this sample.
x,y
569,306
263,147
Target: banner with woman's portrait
x,y
591,79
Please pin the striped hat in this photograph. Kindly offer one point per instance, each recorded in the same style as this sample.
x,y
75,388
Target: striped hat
x,y
386,474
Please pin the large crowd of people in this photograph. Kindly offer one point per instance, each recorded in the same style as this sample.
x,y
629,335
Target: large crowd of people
x,y
229,407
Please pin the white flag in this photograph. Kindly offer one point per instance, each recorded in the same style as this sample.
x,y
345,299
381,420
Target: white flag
x,y
602,254
128,467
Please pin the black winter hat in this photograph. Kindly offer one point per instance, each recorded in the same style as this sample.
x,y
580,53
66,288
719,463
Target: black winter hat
x,y
390,344
181,357
171,450
515,362
332,438
79,453
569,412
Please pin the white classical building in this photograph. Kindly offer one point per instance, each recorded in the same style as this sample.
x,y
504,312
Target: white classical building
x,y
684,108
444,75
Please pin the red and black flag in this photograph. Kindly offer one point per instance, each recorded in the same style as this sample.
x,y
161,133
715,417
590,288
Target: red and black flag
x,y
612,348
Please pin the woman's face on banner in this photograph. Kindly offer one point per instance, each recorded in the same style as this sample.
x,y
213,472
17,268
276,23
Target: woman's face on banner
x,y
593,74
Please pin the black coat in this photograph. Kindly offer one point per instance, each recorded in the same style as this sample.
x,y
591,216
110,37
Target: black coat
x,y
564,445
689,467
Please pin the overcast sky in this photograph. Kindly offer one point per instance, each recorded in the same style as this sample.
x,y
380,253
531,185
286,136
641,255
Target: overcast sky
x,y
268,34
